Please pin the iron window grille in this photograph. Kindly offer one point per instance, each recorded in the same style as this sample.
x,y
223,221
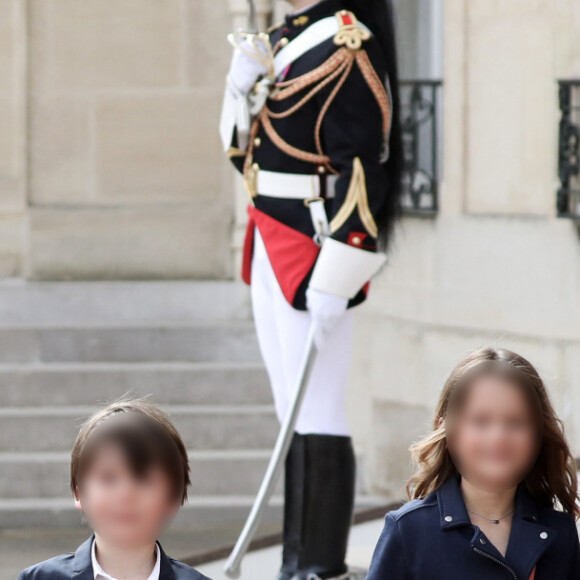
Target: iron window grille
x,y
568,198
420,133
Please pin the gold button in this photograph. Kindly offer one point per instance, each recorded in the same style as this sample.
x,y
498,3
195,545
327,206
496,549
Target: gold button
x,y
255,167
257,142
356,241
284,41
321,169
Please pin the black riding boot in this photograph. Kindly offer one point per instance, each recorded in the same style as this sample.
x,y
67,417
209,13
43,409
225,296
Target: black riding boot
x,y
293,507
320,478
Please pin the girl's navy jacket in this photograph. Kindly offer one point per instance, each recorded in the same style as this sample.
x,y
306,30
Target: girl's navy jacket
x,y
434,539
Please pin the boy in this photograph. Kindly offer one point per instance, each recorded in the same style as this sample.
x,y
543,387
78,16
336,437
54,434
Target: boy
x,y
129,477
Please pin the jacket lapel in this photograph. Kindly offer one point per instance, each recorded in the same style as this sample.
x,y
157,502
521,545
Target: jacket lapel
x,y
528,538
452,511
166,571
82,566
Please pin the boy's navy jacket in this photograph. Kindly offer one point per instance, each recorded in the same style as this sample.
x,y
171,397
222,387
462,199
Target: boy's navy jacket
x,y
433,538
79,567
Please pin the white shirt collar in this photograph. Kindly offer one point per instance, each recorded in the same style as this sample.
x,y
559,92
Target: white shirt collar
x,y
100,574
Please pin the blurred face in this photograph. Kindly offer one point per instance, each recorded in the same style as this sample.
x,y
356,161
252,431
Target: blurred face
x,y
494,440
120,507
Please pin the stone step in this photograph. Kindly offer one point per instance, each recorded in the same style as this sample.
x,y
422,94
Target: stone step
x,y
232,341
200,383
67,347
238,472
46,475
201,512
202,427
83,303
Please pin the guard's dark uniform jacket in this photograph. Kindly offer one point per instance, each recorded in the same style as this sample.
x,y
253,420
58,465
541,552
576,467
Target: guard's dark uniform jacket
x,y
434,538
329,116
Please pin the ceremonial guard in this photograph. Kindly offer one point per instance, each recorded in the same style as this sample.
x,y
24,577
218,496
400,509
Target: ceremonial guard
x,y
310,117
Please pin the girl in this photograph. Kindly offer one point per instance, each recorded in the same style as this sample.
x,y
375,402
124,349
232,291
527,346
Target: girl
x,y
496,490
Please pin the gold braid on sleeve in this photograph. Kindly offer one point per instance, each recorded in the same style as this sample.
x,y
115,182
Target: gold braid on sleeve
x,y
356,198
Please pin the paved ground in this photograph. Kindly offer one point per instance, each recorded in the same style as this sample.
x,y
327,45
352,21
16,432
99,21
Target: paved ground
x,y
263,564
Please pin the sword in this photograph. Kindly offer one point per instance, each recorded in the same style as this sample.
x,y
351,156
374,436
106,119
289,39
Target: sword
x,y
233,563
252,17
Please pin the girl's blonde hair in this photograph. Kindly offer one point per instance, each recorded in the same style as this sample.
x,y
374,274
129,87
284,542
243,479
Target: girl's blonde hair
x,y
552,479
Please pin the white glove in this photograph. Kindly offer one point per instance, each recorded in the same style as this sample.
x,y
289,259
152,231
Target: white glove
x,y
245,70
325,310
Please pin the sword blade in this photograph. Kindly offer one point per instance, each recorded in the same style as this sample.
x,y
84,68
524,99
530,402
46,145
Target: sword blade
x,y
233,563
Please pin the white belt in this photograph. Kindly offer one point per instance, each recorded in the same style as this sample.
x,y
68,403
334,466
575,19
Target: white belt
x,y
299,186
292,185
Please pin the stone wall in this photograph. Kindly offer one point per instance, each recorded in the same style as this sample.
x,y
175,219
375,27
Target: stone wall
x,y
110,162
496,267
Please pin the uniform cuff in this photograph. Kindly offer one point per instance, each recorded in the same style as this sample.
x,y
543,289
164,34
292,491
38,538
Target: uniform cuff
x,y
342,270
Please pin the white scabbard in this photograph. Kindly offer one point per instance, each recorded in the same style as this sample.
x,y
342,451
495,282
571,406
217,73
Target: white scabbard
x,y
235,115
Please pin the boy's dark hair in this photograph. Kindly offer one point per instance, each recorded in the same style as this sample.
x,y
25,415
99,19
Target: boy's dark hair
x,y
145,436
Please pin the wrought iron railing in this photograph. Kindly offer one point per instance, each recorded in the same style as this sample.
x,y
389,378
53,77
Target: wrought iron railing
x,y
568,199
420,126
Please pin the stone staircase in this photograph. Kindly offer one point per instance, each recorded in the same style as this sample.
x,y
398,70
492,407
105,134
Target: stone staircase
x,y
66,348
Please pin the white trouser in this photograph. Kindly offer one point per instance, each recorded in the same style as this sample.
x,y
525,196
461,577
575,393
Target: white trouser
x,y
282,332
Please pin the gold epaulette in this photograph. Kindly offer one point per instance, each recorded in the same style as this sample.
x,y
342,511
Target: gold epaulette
x,y
351,33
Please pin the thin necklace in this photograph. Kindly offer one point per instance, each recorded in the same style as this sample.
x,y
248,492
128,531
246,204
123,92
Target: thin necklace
x,y
494,521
